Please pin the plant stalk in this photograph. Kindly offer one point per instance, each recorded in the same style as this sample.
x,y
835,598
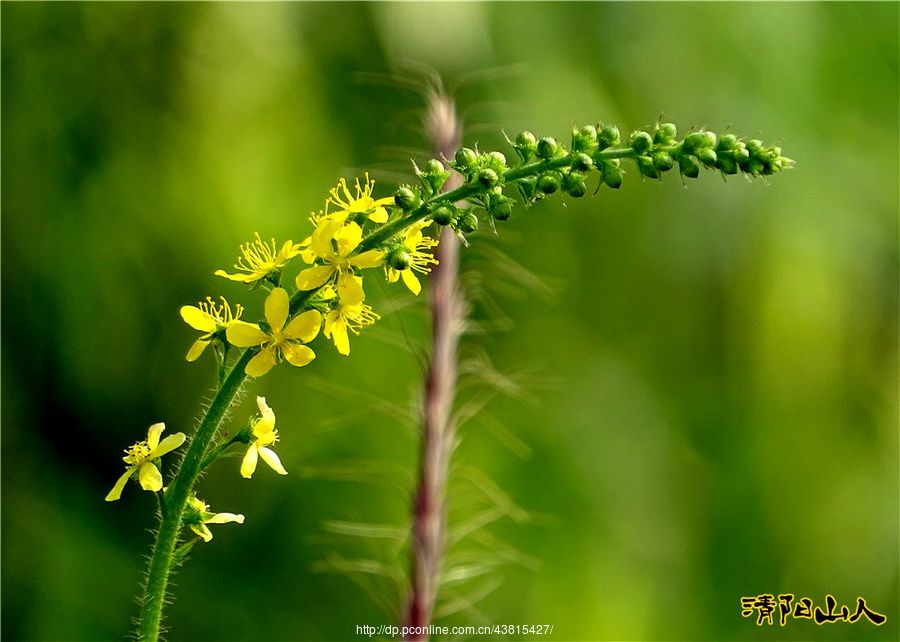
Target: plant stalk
x,y
447,312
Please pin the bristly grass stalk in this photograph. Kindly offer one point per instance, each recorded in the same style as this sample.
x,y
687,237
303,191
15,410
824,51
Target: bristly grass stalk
x,y
357,234
437,438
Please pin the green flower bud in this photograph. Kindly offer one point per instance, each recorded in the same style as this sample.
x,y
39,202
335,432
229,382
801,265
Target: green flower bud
x,y
609,136
726,164
741,153
640,142
468,223
665,134
695,141
526,142
434,176
727,143
582,162
488,177
399,258
584,139
465,157
443,215
688,167
708,157
498,160
547,148
406,199
527,187
548,182
501,210
663,161
646,166
612,175
573,184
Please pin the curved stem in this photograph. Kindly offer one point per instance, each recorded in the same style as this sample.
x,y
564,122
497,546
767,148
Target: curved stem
x,y
175,500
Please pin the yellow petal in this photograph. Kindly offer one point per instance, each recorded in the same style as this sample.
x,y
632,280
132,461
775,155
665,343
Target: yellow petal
x,y
370,259
168,444
225,518
277,304
380,215
320,242
304,327
348,238
153,434
197,318
116,491
271,458
240,278
340,337
261,363
196,349
314,277
411,281
350,290
248,465
150,477
297,355
245,335
266,423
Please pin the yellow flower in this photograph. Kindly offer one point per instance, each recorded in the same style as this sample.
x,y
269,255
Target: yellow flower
x,y
281,341
362,203
330,247
264,435
211,320
347,317
261,260
140,458
421,259
197,516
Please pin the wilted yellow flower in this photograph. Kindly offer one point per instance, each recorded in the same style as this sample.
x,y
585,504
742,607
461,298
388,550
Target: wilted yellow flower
x,y
211,319
198,515
260,260
330,248
140,457
264,435
347,317
281,341
362,203
418,258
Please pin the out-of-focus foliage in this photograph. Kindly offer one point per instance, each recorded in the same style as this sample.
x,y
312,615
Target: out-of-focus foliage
x,y
710,404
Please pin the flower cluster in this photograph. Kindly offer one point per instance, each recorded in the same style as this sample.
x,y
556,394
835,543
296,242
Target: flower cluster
x,y
144,457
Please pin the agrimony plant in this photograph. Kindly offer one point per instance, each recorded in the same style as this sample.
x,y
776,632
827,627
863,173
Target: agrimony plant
x,y
355,237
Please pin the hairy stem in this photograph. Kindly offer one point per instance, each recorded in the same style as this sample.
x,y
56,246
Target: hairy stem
x,y
447,311
175,500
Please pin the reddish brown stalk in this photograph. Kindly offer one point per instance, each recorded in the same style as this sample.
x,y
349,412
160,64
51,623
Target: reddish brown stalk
x,y
447,313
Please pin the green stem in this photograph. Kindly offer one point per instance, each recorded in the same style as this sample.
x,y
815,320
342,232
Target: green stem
x,y
161,558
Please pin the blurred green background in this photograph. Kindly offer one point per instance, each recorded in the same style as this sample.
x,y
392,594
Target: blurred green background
x,y
696,389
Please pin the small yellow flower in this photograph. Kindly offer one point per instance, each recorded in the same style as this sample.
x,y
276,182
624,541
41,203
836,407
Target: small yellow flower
x,y
264,435
197,516
260,260
330,248
281,341
211,319
418,247
347,317
362,203
140,458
